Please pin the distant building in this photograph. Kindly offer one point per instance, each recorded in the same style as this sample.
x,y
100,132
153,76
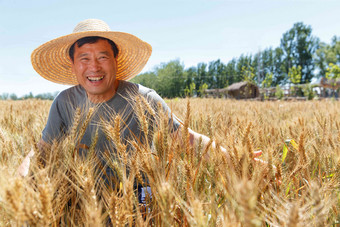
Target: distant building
x,y
330,83
243,90
240,90
330,87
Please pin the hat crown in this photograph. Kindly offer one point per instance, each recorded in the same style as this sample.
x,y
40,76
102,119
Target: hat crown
x,y
91,25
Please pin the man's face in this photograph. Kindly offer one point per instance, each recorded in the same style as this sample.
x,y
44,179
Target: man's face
x,y
95,68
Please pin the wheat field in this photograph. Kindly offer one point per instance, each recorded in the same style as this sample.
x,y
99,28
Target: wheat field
x,y
191,186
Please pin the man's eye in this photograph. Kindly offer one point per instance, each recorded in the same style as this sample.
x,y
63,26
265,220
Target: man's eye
x,y
103,58
84,59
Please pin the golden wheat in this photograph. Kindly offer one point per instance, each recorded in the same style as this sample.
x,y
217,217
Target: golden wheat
x,y
301,139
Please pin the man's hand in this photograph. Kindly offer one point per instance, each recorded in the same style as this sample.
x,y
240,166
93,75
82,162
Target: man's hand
x,y
42,147
257,154
25,165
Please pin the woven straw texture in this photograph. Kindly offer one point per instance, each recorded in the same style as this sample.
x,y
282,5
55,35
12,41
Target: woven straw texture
x,y
52,62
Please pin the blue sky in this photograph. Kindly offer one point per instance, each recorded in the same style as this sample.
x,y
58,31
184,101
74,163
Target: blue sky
x,y
193,31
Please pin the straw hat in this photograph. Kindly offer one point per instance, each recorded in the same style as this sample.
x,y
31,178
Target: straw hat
x,y
51,60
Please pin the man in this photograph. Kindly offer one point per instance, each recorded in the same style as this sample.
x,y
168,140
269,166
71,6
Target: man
x,y
98,62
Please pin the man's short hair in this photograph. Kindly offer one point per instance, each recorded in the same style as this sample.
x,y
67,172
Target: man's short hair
x,y
91,39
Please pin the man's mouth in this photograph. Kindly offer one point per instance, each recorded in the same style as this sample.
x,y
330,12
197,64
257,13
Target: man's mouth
x,y
95,78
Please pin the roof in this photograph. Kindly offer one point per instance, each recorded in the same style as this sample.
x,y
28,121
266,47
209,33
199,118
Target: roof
x,y
237,86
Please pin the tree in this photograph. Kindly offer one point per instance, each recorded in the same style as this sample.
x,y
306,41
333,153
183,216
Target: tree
x,y
217,76
231,72
46,96
327,54
29,96
308,91
262,64
294,76
202,89
299,46
147,79
4,96
270,61
189,91
335,47
267,82
170,79
190,75
201,74
280,77
333,73
244,65
248,74
13,96
279,92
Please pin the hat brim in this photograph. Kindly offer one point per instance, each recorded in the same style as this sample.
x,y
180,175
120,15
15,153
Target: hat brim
x,y
51,60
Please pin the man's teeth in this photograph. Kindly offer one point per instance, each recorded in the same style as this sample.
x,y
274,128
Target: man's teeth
x,y
95,78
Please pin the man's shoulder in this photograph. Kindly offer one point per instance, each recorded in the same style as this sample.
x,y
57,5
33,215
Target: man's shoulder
x,y
133,87
71,94
145,90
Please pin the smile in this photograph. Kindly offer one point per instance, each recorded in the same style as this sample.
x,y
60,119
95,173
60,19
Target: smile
x,y
95,78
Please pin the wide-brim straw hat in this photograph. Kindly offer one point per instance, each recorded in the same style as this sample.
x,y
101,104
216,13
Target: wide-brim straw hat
x,y
51,60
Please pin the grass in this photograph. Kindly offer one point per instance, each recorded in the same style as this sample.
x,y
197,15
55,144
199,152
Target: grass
x,y
300,186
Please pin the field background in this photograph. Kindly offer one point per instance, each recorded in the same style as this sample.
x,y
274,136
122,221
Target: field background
x,y
301,139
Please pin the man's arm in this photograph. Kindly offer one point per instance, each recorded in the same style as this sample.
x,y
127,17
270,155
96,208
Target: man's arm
x,y
194,137
23,169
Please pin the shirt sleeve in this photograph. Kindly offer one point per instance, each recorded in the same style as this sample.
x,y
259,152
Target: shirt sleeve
x,y
173,120
55,126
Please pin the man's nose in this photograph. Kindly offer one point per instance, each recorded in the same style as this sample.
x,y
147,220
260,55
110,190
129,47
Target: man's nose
x,y
94,65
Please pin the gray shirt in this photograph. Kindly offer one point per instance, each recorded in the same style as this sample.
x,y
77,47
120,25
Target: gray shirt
x,y
63,109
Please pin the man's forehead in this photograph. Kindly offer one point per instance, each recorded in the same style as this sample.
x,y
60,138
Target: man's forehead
x,y
100,47
99,42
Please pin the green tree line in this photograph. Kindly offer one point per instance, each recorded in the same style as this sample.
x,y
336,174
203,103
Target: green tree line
x,y
13,96
299,58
